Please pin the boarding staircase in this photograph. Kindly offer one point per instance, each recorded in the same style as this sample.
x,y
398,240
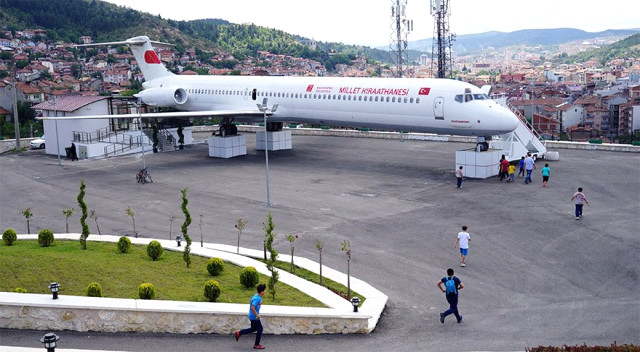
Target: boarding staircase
x,y
521,141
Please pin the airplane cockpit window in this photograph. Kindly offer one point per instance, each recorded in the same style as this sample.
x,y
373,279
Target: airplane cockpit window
x,y
479,96
459,98
468,97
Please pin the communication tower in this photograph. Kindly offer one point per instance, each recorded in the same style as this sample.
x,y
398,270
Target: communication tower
x,y
400,28
442,39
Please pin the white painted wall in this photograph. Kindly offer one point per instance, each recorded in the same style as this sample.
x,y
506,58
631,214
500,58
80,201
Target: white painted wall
x,y
64,135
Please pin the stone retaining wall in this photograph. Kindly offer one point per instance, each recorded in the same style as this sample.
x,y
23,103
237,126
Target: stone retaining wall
x,y
41,312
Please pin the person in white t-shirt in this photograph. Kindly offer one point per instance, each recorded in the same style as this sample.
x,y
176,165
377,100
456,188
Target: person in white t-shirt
x,y
463,240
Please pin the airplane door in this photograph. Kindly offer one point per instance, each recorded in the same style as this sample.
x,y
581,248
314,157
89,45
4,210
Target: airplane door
x,y
438,108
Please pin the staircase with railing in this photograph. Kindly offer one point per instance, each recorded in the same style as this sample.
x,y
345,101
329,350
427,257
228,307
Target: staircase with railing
x,y
523,140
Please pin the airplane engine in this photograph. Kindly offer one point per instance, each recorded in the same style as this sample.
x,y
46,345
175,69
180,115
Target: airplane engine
x,y
163,97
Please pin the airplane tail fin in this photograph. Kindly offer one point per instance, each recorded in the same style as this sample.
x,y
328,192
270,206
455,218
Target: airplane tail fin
x,y
147,59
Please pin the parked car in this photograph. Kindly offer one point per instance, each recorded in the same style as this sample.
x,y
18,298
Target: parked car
x,y
38,143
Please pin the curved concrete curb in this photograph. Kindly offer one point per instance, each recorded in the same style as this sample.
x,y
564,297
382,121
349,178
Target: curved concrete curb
x,y
339,308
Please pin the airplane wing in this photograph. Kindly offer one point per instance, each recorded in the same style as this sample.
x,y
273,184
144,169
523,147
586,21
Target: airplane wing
x,y
239,114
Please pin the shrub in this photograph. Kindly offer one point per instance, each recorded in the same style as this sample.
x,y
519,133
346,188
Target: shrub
x,y
211,290
94,290
45,238
215,266
124,244
146,291
154,250
9,236
20,290
249,277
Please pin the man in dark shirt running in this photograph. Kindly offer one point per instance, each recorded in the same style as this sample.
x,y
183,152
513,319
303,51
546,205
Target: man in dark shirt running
x,y
451,286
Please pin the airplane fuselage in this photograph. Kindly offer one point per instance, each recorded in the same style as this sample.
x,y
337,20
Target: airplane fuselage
x,y
401,104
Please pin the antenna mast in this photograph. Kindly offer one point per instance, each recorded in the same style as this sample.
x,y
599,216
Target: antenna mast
x,y
442,39
400,28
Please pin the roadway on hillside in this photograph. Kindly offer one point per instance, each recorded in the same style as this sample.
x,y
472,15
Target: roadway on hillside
x,y
535,276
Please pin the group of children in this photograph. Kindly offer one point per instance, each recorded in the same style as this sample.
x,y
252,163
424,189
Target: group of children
x,y
508,171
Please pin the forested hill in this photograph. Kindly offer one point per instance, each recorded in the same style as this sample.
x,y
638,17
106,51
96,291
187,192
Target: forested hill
x,y
628,47
67,20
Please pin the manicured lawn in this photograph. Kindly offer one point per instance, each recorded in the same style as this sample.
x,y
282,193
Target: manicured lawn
x,y
313,277
26,265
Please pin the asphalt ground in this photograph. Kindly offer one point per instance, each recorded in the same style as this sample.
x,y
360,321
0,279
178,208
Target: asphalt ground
x,y
535,276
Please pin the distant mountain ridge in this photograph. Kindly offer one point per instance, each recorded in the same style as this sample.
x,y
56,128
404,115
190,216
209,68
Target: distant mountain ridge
x,y
474,42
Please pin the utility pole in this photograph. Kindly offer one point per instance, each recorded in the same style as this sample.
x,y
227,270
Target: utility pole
x,y
16,121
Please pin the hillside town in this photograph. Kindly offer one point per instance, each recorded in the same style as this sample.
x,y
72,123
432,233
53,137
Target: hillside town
x,y
576,102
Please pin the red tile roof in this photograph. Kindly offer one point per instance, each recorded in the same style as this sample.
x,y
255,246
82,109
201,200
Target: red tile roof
x,y
68,104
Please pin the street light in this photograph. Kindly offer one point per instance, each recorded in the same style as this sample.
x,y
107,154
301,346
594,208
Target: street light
x,y
178,240
139,105
54,287
263,107
355,301
50,341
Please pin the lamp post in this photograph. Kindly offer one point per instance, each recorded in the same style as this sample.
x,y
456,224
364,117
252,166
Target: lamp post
x,y
263,107
54,287
178,240
50,341
355,301
144,162
16,121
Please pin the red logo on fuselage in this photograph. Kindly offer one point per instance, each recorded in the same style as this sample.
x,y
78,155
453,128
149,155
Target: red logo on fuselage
x,y
310,88
424,91
151,57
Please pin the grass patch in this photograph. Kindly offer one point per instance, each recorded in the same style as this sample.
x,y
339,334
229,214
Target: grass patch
x,y
337,288
27,265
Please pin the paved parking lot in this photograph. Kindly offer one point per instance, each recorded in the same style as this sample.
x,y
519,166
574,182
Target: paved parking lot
x,y
535,276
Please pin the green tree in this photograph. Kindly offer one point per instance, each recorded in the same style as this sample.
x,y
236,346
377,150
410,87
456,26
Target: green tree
x,y
240,224
346,247
319,246
83,218
185,225
273,254
67,213
130,214
292,239
27,215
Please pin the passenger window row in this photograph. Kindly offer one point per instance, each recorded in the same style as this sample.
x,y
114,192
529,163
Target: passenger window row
x,y
370,98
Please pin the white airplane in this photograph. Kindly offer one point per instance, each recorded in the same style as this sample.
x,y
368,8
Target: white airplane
x,y
440,106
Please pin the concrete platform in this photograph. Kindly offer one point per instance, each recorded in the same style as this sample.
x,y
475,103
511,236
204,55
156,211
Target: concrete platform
x,y
535,276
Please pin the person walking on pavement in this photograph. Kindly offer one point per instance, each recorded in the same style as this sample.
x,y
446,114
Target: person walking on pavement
x,y
254,317
504,167
463,239
521,166
529,165
459,176
581,200
451,287
545,175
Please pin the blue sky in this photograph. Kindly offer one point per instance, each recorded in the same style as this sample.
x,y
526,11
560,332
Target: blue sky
x,y
368,22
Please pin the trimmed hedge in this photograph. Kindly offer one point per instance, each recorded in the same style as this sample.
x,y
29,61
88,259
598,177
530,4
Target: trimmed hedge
x,y
212,290
45,238
215,266
124,244
9,236
94,290
154,250
249,277
146,291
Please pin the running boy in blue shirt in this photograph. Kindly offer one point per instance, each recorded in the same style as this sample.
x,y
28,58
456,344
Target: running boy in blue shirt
x,y
545,175
254,317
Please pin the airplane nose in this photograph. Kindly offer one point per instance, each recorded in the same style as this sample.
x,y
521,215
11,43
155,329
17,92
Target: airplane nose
x,y
509,120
